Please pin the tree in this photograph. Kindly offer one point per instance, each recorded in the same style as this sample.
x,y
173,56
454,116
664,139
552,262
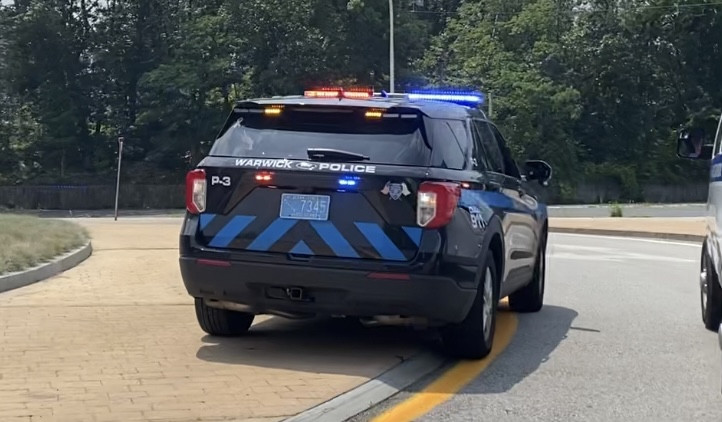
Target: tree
x,y
597,88
513,52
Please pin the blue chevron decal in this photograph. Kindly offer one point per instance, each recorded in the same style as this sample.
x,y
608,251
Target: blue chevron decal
x,y
275,231
230,231
334,239
301,248
206,219
414,233
380,241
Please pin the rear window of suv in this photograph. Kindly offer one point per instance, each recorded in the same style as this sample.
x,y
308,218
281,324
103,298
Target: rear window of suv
x,y
409,139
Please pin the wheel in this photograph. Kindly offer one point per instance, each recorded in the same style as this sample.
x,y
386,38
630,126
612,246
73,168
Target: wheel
x,y
531,297
222,322
710,295
473,337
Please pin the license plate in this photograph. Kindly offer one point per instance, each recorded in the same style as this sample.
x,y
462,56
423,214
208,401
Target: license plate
x,y
305,207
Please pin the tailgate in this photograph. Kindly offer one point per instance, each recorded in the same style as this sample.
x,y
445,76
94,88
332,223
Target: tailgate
x,y
312,214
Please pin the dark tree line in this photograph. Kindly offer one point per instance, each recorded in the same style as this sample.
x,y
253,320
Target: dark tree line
x,y
597,87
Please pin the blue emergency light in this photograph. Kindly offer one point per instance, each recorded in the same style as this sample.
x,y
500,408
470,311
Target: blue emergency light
x,y
467,98
349,181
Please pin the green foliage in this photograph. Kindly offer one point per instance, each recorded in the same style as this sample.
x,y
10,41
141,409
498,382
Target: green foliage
x,y
615,210
624,176
598,90
76,74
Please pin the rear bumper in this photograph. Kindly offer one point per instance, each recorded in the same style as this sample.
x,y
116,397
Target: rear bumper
x,y
262,288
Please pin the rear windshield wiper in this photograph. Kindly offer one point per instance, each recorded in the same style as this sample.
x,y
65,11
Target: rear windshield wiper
x,y
327,154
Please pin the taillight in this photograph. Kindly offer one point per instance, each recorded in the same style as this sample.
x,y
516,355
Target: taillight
x,y
196,191
436,203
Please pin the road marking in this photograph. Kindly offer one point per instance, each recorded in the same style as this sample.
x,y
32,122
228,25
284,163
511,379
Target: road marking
x,y
595,253
454,379
631,258
636,239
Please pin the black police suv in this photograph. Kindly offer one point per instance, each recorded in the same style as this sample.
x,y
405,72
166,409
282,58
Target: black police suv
x,y
397,209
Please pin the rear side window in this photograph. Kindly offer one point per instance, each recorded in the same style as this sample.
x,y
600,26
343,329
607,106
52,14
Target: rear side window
x,y
449,142
510,167
492,152
398,141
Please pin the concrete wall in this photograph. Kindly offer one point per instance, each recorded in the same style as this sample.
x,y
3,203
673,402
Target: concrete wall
x,y
598,193
589,193
91,197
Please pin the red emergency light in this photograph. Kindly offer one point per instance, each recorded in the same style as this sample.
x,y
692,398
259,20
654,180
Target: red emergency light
x,y
359,93
326,92
334,92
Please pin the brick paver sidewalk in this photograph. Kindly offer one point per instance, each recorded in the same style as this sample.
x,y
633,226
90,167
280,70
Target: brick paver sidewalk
x,y
116,339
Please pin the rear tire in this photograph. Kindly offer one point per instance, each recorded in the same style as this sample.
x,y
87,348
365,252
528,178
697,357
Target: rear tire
x,y
710,295
473,337
222,322
530,298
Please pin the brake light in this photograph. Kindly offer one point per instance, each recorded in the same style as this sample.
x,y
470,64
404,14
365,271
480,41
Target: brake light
x,y
263,177
196,191
436,203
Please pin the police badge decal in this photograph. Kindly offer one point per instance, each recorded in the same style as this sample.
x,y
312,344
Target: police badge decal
x,y
395,190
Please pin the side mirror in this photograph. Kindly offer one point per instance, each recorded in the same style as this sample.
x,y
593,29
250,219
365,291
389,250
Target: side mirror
x,y
538,170
691,144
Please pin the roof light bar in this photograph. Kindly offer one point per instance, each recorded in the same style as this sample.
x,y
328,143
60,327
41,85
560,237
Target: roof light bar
x,y
472,98
324,93
334,92
358,93
272,111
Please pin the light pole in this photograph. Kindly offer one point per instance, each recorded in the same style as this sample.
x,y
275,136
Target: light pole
x,y
391,45
488,96
117,180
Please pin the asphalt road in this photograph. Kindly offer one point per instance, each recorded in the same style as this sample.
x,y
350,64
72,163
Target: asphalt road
x,y
620,339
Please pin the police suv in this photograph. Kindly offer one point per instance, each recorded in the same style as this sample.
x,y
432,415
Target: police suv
x,y
391,208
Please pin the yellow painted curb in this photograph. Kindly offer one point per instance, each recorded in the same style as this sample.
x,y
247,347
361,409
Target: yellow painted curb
x,y
454,379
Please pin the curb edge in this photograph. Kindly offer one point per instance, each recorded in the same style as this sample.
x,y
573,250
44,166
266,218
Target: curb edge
x,y
46,270
373,391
